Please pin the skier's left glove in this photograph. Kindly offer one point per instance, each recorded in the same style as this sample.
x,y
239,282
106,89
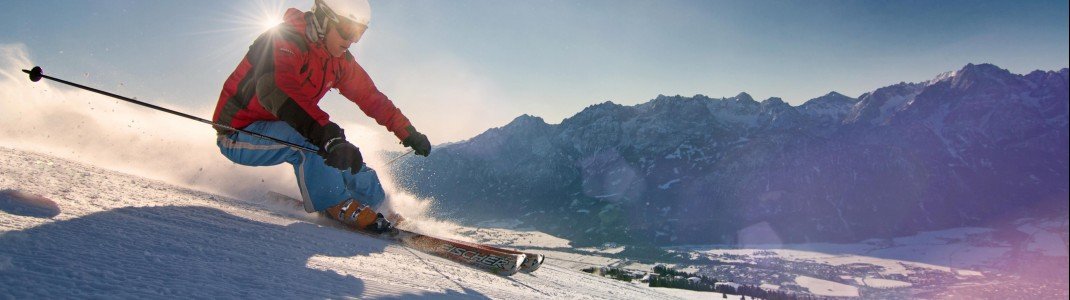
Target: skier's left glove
x,y
343,155
417,141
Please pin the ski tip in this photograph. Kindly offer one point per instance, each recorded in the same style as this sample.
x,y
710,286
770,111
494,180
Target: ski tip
x,y
514,267
532,262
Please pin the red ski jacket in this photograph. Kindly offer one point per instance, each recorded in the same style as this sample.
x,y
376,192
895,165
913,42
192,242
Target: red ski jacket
x,y
285,74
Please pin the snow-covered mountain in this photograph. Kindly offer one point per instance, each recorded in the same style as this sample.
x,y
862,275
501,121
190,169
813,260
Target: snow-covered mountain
x,y
971,146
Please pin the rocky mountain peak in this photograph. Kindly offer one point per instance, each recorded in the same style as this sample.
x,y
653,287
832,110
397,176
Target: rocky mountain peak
x,y
526,120
832,98
744,97
902,158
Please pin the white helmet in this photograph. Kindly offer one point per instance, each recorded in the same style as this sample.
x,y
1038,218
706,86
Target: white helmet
x,y
355,10
326,11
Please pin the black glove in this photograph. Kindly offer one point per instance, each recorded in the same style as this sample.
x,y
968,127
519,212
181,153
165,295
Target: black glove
x,y
343,155
417,141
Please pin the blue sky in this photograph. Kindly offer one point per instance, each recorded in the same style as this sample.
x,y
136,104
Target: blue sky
x,y
459,67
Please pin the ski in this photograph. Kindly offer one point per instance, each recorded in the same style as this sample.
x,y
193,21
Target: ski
x,y
532,261
495,260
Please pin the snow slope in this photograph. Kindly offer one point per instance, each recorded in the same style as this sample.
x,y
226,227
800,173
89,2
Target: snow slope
x,y
125,236
826,288
695,294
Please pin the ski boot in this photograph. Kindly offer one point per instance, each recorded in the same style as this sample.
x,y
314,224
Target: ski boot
x,y
358,216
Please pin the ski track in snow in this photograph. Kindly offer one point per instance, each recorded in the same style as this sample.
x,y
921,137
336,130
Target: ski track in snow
x,y
124,236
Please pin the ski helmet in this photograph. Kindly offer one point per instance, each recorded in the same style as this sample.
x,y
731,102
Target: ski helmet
x,y
325,12
358,11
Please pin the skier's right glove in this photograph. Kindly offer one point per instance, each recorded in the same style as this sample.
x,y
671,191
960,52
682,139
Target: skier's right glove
x,y
343,155
417,141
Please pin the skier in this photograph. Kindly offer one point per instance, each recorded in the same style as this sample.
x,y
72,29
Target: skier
x,y
276,90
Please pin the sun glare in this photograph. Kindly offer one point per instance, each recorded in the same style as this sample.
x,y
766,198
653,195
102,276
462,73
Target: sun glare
x,y
270,21
242,22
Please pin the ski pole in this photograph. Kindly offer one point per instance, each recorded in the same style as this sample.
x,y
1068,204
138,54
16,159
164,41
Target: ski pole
x,y
36,75
400,156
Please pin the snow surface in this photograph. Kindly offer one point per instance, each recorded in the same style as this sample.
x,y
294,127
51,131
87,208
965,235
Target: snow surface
x,y
769,287
892,105
687,294
881,283
603,250
513,237
822,287
1042,240
123,236
942,250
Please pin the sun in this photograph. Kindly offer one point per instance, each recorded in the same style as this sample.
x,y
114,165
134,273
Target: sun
x,y
270,21
240,23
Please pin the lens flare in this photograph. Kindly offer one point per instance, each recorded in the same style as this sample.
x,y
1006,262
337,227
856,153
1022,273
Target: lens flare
x,y
270,21
239,23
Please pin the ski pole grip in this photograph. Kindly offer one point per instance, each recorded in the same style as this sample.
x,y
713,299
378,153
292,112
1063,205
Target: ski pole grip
x,y
35,73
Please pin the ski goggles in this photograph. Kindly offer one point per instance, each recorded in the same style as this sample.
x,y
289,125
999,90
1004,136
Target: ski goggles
x,y
349,30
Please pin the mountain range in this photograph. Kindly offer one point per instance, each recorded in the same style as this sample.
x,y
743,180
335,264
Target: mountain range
x,y
965,148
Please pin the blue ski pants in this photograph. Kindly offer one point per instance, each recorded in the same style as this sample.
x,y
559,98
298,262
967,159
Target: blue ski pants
x,y
321,186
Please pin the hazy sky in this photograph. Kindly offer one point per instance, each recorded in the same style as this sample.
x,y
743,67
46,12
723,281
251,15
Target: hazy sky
x,y
458,67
